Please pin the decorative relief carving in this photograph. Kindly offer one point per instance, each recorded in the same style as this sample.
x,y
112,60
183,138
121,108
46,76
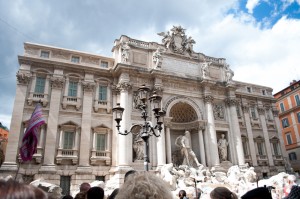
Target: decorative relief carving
x,y
57,82
31,51
260,110
88,86
114,89
90,60
218,112
23,78
208,99
124,86
205,69
181,97
157,57
125,52
60,55
231,101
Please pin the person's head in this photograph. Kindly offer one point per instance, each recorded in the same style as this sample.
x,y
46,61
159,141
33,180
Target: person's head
x,y
222,193
129,173
84,187
113,194
144,185
80,195
258,193
67,197
198,193
13,189
95,193
181,194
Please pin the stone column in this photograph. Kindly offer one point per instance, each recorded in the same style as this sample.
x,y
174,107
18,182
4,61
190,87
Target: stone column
x,y
33,83
245,108
123,146
212,137
12,149
85,138
278,129
115,135
261,113
66,87
57,82
161,149
202,149
231,102
46,91
60,144
168,145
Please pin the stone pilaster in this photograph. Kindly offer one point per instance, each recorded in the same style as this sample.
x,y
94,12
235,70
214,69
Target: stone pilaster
x,y
278,129
250,134
262,117
161,149
235,128
212,137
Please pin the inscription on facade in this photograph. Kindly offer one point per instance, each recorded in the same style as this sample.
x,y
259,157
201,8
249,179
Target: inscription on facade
x,y
139,58
179,66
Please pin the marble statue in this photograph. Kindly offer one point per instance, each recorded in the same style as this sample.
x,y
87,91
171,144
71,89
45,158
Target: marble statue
x,y
205,70
167,38
138,147
222,145
184,143
157,57
228,74
125,52
189,44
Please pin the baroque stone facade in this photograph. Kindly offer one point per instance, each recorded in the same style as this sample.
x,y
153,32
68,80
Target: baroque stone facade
x,y
78,90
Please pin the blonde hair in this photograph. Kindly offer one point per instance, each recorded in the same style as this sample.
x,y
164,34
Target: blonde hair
x,y
142,185
222,193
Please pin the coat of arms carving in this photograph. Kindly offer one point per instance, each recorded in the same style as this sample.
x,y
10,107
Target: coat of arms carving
x,y
177,41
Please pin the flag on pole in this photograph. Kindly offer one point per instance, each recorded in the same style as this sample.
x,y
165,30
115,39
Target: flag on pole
x,y
30,138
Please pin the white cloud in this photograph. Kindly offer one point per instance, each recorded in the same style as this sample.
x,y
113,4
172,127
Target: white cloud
x,y
251,4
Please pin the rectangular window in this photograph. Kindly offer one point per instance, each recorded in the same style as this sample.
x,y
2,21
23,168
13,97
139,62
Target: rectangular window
x,y
292,156
248,89
101,142
263,92
297,98
245,148
282,107
276,149
285,123
289,138
100,178
298,116
253,114
45,54
68,139
260,148
65,183
104,64
40,85
103,93
238,112
72,89
75,59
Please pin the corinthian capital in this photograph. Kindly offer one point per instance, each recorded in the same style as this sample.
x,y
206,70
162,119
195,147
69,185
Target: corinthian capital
x,y
245,108
231,101
23,78
57,82
88,86
125,86
208,99
261,110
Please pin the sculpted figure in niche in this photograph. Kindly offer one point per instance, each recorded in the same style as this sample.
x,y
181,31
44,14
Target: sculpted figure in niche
x,y
205,70
157,57
184,143
125,52
222,145
228,74
138,147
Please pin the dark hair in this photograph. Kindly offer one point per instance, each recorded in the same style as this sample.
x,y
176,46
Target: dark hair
x,y
85,186
13,189
67,197
95,193
182,194
222,192
128,173
113,194
260,192
80,195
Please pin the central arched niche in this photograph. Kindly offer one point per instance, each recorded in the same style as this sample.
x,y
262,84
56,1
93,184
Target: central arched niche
x,y
183,113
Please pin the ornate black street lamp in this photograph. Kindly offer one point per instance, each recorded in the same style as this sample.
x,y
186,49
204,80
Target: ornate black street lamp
x,y
147,128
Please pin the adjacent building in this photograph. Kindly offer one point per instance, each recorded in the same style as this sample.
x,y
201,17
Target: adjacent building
x,y
78,90
3,142
288,104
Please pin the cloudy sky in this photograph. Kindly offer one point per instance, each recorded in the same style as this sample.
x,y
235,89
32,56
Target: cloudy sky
x,y
259,38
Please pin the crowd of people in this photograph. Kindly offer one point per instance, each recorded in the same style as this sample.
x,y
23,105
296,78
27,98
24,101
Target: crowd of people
x,y
144,185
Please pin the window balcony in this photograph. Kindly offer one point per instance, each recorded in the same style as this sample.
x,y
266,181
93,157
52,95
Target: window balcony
x,y
102,104
100,157
37,157
247,158
36,97
65,155
71,101
261,157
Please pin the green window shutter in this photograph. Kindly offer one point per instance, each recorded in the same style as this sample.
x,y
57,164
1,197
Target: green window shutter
x,y
101,142
68,140
72,89
103,93
40,85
